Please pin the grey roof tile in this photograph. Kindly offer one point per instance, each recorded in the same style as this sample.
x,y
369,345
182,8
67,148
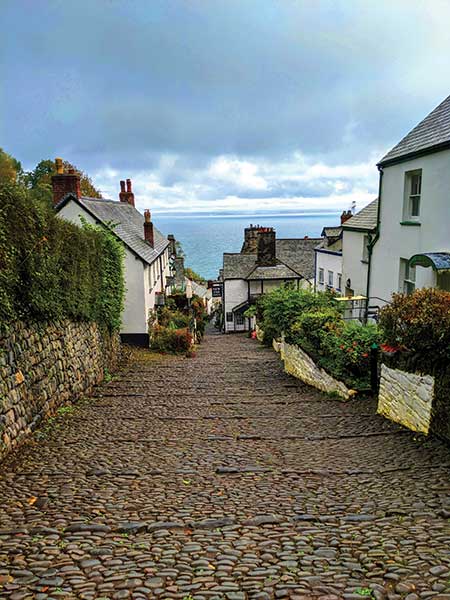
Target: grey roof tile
x,y
295,259
365,219
129,226
432,131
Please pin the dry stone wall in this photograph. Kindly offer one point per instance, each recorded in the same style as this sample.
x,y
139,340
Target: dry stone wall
x,y
406,398
44,365
300,365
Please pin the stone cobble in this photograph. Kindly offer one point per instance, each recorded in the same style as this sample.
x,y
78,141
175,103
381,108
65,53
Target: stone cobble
x,y
221,477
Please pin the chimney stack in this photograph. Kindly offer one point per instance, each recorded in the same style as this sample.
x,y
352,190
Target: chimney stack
x,y
64,183
148,229
266,247
346,215
250,245
126,195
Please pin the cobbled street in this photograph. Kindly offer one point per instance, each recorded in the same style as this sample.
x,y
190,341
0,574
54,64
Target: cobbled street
x,y
222,477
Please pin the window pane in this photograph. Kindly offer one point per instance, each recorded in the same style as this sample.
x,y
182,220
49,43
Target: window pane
x,y
330,277
415,184
415,206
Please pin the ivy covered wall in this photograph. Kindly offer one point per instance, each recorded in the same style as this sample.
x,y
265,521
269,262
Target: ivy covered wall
x,y
51,269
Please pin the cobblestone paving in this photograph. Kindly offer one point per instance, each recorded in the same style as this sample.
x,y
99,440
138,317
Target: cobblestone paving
x,y
221,477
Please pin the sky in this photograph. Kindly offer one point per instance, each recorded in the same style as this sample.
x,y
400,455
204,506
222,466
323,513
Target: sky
x,y
221,105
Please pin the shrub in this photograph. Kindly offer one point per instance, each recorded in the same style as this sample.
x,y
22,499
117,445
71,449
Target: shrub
x,y
52,269
171,341
281,307
420,324
346,352
278,310
314,322
308,330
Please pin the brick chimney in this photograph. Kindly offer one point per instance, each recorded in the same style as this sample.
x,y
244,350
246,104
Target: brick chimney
x,y
64,183
126,195
346,215
148,228
266,247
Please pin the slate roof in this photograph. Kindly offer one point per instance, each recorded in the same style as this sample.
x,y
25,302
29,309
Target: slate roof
x,y
279,271
129,224
295,259
433,131
332,231
365,219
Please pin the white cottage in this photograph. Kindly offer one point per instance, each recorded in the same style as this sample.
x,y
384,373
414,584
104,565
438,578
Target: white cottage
x,y
263,264
146,249
412,245
328,260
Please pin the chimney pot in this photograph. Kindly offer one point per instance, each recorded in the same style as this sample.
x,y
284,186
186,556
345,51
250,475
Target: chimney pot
x,y
126,196
346,215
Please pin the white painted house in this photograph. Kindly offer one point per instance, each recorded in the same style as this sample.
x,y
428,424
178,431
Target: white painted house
x,y
412,246
328,260
263,264
146,249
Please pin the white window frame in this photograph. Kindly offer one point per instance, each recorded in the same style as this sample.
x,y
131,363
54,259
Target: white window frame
x,y
330,279
407,277
321,275
413,195
240,319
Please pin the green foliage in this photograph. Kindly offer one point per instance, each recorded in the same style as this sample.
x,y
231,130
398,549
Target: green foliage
x,y
281,307
171,341
170,326
250,312
39,181
345,352
314,322
193,276
52,269
420,323
10,168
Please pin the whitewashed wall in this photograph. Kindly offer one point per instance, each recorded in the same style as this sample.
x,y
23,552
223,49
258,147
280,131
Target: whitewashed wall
x,y
236,291
328,262
400,241
353,265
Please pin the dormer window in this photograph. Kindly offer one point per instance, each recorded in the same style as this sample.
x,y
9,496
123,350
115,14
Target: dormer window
x,y
413,192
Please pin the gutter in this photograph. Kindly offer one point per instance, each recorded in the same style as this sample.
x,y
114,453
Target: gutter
x,y
372,242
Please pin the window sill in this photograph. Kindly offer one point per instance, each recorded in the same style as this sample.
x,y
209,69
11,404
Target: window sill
x,y
410,223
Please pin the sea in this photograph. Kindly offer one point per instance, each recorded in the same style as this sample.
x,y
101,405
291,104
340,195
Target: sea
x,y
205,237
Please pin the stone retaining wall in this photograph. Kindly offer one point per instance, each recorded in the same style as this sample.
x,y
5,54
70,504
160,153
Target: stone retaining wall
x,y
406,398
44,365
300,365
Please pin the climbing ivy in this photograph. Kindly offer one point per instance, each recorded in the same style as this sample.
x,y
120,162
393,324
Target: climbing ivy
x,y
52,269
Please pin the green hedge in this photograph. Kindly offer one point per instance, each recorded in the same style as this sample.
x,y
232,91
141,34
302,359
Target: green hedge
x,y
52,269
314,322
416,329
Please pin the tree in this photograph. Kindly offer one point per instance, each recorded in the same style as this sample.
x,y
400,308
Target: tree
x,y
10,168
40,180
193,276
